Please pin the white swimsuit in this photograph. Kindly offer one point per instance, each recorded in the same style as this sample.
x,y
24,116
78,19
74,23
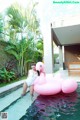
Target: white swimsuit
x,y
31,77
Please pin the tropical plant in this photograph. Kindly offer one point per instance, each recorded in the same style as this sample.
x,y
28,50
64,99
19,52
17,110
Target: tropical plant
x,y
39,46
33,21
25,52
24,23
6,76
17,21
22,53
14,49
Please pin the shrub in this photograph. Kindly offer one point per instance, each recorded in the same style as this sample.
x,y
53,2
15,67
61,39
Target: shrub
x,y
6,76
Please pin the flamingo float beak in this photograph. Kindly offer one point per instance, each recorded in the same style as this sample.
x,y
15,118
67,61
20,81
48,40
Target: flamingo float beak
x,y
38,70
38,73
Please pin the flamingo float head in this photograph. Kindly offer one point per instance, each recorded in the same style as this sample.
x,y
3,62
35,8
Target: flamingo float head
x,y
40,68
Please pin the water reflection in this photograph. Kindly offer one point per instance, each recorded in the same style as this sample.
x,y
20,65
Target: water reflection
x,y
57,107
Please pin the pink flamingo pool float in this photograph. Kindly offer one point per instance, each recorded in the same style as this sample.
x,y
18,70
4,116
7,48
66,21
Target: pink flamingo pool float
x,y
49,85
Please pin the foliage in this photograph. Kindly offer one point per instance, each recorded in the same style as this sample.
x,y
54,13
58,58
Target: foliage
x,y
17,21
23,22
25,42
25,52
6,76
55,57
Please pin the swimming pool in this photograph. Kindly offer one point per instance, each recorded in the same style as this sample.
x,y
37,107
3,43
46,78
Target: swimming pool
x,y
57,107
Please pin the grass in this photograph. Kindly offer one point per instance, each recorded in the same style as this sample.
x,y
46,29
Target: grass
x,y
4,84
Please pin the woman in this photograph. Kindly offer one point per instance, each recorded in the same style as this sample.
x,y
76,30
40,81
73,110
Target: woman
x,y
32,75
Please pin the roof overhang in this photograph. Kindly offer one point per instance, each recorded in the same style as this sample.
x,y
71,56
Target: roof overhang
x,y
66,34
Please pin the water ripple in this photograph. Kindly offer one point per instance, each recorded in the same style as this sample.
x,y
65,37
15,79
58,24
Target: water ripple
x,y
56,107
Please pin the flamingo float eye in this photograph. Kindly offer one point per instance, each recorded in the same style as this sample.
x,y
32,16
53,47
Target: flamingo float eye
x,y
40,65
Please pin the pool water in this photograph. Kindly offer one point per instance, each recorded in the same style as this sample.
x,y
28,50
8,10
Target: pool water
x,y
56,107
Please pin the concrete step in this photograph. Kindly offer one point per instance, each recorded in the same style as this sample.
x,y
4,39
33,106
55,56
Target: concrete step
x,y
18,107
17,110
10,97
10,93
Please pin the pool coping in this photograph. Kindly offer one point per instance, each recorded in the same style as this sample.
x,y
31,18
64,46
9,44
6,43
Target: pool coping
x,y
8,89
11,87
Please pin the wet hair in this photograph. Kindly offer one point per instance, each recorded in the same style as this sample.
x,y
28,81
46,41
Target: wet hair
x,y
33,64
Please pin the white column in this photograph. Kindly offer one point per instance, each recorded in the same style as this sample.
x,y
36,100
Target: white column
x,y
48,50
60,57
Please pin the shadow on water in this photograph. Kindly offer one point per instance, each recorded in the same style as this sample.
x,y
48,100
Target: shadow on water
x,y
56,107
